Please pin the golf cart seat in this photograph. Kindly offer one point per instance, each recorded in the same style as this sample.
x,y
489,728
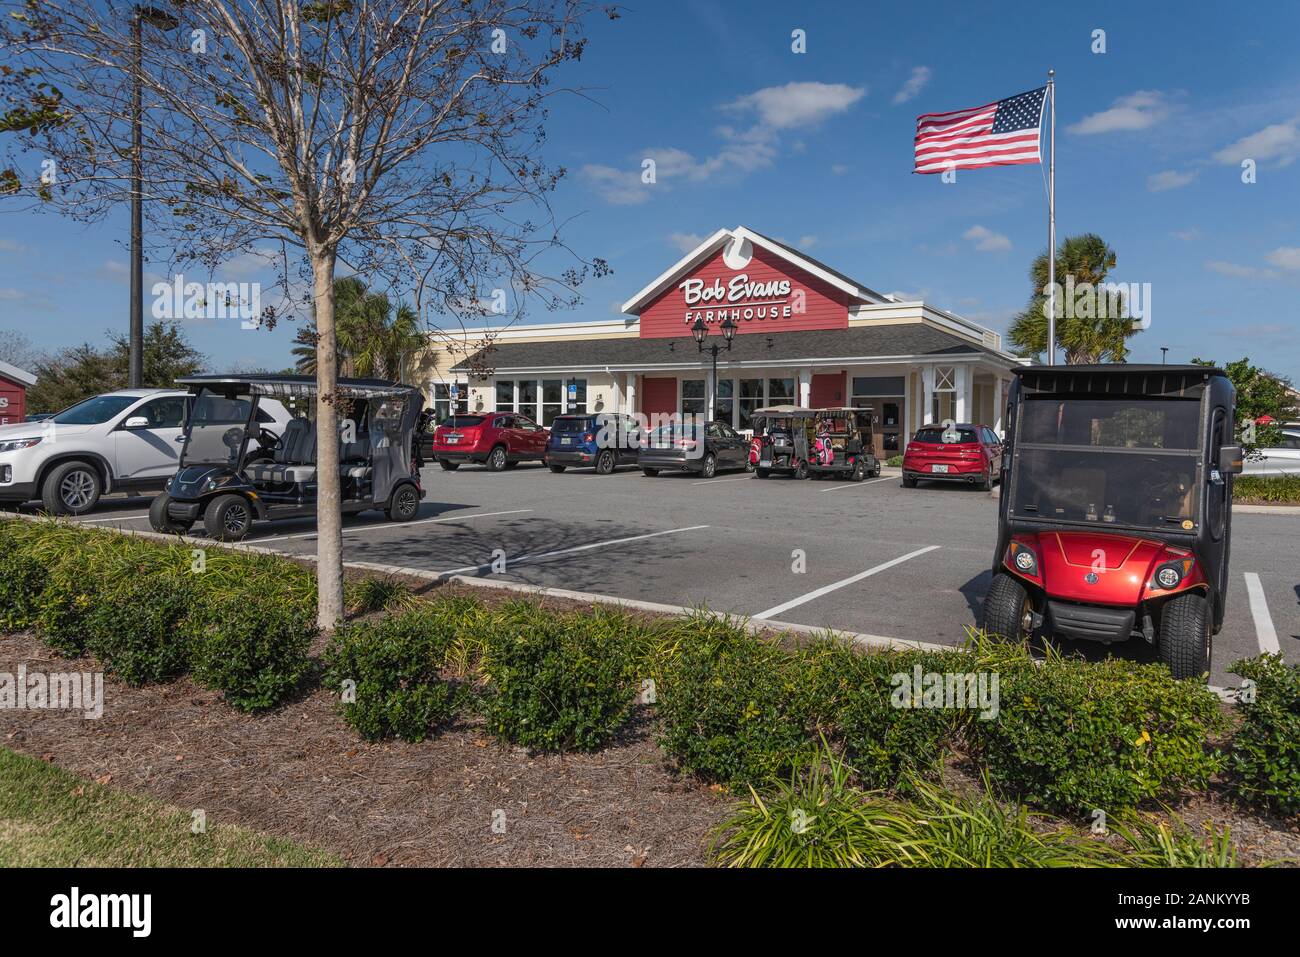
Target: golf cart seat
x,y
294,459
354,458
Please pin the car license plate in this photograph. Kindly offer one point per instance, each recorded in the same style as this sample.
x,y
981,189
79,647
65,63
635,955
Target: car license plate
x,y
938,468
453,439
566,441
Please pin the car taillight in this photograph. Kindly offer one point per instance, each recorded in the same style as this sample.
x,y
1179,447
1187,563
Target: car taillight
x,y
589,436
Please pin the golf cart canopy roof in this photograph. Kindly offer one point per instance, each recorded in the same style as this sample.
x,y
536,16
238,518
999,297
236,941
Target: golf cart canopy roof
x,y
1118,379
844,410
782,412
277,385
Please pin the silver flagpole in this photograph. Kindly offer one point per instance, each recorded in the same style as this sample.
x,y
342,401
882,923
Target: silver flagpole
x,y
1051,223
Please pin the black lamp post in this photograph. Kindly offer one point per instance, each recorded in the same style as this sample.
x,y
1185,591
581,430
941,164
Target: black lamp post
x,y
163,21
699,331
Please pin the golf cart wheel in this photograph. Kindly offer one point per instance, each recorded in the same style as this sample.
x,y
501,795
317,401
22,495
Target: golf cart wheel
x,y
1184,643
448,466
557,469
497,460
709,467
859,471
650,473
159,520
72,488
1008,610
228,518
403,504
986,484
762,473
801,470
605,462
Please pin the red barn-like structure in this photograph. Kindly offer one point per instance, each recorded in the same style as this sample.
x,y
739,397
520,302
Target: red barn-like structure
x,y
13,393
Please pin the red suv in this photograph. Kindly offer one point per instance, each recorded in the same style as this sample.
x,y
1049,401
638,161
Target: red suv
x,y
499,440
953,453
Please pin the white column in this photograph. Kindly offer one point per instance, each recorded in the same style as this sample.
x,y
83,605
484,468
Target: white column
x,y
927,394
999,403
630,394
709,384
963,407
805,387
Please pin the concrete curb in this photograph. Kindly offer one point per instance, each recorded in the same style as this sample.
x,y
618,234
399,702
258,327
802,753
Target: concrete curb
x,y
1267,509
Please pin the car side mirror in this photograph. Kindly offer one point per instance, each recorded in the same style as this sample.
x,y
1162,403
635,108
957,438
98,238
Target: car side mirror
x,y
136,422
1231,459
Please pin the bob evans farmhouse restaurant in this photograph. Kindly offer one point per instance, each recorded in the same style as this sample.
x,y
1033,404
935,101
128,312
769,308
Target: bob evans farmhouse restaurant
x,y
802,334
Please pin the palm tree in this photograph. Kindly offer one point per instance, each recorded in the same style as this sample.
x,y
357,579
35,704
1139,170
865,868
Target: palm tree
x,y
372,341
1084,339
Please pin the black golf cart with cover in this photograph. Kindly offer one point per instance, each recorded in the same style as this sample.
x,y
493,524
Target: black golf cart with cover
x,y
1116,511
234,471
842,444
782,440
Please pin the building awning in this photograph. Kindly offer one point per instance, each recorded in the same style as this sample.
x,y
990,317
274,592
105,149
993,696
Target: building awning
x,y
861,345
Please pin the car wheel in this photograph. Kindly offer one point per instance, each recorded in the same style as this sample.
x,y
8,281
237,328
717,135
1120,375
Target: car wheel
x,y
709,467
859,471
909,481
1184,643
762,473
448,466
497,460
650,473
605,462
801,470
73,488
228,518
1008,609
403,504
557,469
986,483
159,520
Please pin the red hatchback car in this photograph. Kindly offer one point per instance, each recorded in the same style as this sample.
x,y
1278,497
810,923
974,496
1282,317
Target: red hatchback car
x,y
953,453
499,440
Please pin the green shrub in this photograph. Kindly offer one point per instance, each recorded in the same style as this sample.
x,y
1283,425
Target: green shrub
x,y
1265,753
894,461
1272,489
375,594
22,579
1074,735
887,743
557,682
136,626
251,646
70,595
395,664
731,707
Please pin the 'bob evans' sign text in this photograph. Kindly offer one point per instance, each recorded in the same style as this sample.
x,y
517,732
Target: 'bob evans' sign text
x,y
740,299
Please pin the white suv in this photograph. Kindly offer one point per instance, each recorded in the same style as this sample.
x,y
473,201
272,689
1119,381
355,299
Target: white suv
x,y
119,441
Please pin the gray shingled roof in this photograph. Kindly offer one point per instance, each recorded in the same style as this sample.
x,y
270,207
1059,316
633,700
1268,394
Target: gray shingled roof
x,y
909,339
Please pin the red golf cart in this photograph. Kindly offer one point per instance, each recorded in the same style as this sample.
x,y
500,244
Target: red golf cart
x,y
1116,508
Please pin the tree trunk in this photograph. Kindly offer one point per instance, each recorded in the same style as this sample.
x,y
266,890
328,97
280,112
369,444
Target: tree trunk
x,y
329,517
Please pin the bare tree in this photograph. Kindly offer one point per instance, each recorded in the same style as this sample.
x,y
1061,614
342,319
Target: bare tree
x,y
400,138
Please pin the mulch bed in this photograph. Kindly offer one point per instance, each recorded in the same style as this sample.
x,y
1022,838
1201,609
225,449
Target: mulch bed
x,y
299,772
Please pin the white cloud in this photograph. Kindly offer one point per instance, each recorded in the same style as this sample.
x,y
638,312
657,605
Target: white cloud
x,y
617,187
798,103
806,242
10,246
1169,179
685,241
1237,271
987,241
1186,235
839,169
11,295
1280,142
1285,257
914,85
1136,111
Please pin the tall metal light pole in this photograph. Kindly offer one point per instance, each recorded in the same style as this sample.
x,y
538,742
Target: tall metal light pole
x,y
163,21
699,332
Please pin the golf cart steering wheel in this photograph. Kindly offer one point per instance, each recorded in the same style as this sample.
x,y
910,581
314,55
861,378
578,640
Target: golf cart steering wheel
x,y
268,439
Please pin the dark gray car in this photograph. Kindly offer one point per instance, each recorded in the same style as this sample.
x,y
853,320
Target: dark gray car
x,y
679,448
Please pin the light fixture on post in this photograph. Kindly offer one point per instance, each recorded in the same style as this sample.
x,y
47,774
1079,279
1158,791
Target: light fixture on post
x,y
699,332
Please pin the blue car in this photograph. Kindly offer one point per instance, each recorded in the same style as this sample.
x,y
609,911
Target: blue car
x,y
603,440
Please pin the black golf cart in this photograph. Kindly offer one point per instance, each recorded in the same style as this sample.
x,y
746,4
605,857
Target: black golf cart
x,y
234,471
842,444
782,440
1116,509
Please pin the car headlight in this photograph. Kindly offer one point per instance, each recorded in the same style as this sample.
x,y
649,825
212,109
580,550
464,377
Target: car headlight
x,y
1171,574
1023,559
13,445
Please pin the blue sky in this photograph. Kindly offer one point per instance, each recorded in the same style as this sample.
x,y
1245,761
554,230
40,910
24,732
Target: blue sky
x,y
815,149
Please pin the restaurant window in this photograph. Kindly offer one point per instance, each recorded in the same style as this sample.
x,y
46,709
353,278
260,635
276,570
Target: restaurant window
x,y
505,395
725,401
693,397
526,401
751,398
575,396
445,406
552,400
781,392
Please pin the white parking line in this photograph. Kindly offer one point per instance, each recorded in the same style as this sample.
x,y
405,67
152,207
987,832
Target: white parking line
x,y
569,551
743,478
841,488
1264,630
422,521
827,589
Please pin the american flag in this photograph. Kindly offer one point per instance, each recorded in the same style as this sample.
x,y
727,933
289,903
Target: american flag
x,y
1005,133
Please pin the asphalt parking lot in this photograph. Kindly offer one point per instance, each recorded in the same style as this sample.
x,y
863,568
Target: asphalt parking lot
x,y
873,557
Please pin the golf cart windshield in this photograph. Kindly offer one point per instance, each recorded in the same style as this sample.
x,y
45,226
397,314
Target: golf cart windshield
x,y
217,428
1124,460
